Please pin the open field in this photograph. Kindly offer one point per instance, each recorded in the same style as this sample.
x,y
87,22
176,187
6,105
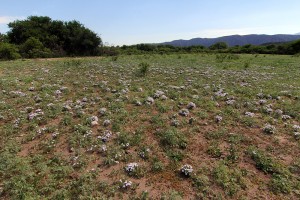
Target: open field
x,y
151,127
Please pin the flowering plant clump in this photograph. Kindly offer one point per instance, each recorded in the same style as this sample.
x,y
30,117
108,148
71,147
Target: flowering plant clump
x,y
262,101
186,170
184,112
17,93
106,135
144,153
103,148
230,102
106,122
296,128
137,103
149,100
131,167
102,111
175,122
249,114
124,184
218,118
94,118
36,114
158,94
268,128
191,105
57,92
220,93
297,135
31,89
260,95
285,117
278,112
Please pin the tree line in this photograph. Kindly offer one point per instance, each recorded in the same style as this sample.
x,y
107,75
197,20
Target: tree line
x,y
289,48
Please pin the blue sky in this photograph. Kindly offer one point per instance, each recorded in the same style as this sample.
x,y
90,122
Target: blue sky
x,y
120,22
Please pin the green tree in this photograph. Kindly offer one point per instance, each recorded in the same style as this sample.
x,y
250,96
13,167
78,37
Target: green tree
x,y
70,38
294,47
3,38
34,48
80,40
218,46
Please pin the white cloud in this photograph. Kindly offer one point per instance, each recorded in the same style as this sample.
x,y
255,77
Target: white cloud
x,y
7,19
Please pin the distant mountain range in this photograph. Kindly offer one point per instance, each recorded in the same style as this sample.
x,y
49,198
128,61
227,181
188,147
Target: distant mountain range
x,y
234,40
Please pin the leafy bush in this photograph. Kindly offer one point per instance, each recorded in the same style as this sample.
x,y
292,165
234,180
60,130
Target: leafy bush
x,y
34,48
173,138
8,52
280,184
264,162
143,69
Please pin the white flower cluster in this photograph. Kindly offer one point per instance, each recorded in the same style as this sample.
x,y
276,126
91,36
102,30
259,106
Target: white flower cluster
x,y
125,184
105,137
230,102
278,112
175,122
249,114
102,111
285,117
158,94
184,112
262,101
36,114
186,170
17,93
268,128
106,122
220,93
296,131
131,167
57,92
191,105
149,100
103,148
125,146
218,118
93,120
296,127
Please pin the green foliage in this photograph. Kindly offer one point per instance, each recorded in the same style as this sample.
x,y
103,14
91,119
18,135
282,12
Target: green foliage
x,y
294,48
33,48
214,151
3,38
157,165
8,52
218,46
280,184
70,38
264,162
143,69
230,180
173,138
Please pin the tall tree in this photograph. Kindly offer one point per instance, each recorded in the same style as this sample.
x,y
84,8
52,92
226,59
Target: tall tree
x,y
70,38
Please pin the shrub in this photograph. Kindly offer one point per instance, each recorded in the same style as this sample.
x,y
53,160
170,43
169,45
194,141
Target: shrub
x,y
264,162
143,69
280,184
34,48
8,52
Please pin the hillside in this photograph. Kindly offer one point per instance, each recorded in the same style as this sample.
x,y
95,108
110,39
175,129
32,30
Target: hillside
x,y
150,127
234,40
